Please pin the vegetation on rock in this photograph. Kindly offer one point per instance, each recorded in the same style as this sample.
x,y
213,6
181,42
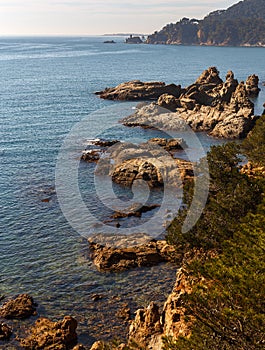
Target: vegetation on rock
x,y
229,305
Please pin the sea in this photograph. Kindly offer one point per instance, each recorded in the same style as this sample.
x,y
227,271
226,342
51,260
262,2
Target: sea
x,y
47,87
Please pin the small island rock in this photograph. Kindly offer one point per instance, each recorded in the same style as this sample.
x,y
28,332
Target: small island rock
x,y
119,259
137,90
5,332
21,307
46,334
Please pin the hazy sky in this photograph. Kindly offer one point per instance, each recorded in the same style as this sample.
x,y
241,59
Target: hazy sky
x,y
87,17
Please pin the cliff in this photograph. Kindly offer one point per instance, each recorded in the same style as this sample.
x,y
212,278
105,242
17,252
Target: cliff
x,y
242,24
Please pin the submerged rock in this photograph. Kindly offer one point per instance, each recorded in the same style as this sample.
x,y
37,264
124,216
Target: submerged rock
x,y
119,259
137,90
124,313
46,334
5,332
21,307
135,210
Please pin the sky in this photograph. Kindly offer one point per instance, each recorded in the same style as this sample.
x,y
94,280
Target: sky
x,y
87,17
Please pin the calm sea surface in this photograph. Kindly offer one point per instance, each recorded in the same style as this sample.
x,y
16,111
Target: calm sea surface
x,y
46,87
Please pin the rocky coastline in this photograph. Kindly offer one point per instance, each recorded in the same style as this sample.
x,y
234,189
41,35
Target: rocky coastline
x,y
223,109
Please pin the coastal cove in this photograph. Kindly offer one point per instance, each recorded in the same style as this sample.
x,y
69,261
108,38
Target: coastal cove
x,y
47,86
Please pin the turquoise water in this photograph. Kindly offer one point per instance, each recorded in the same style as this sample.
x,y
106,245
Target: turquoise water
x,y
46,87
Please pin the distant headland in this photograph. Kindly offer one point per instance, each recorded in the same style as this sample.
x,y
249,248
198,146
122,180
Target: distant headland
x,y
242,24
126,34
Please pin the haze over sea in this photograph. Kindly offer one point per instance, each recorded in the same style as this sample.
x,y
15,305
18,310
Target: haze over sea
x,y
46,87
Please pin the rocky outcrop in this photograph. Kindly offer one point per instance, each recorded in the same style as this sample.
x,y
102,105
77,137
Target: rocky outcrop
x,y
103,143
132,170
134,40
92,154
209,78
225,92
137,169
252,85
46,334
5,332
119,259
151,162
150,326
19,308
146,328
222,109
137,90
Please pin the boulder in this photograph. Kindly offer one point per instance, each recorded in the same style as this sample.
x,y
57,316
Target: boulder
x,y
252,85
169,102
137,169
5,332
137,90
170,145
91,156
98,345
46,334
21,307
119,259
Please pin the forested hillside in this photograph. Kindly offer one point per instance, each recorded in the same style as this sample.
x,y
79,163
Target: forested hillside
x,y
242,24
